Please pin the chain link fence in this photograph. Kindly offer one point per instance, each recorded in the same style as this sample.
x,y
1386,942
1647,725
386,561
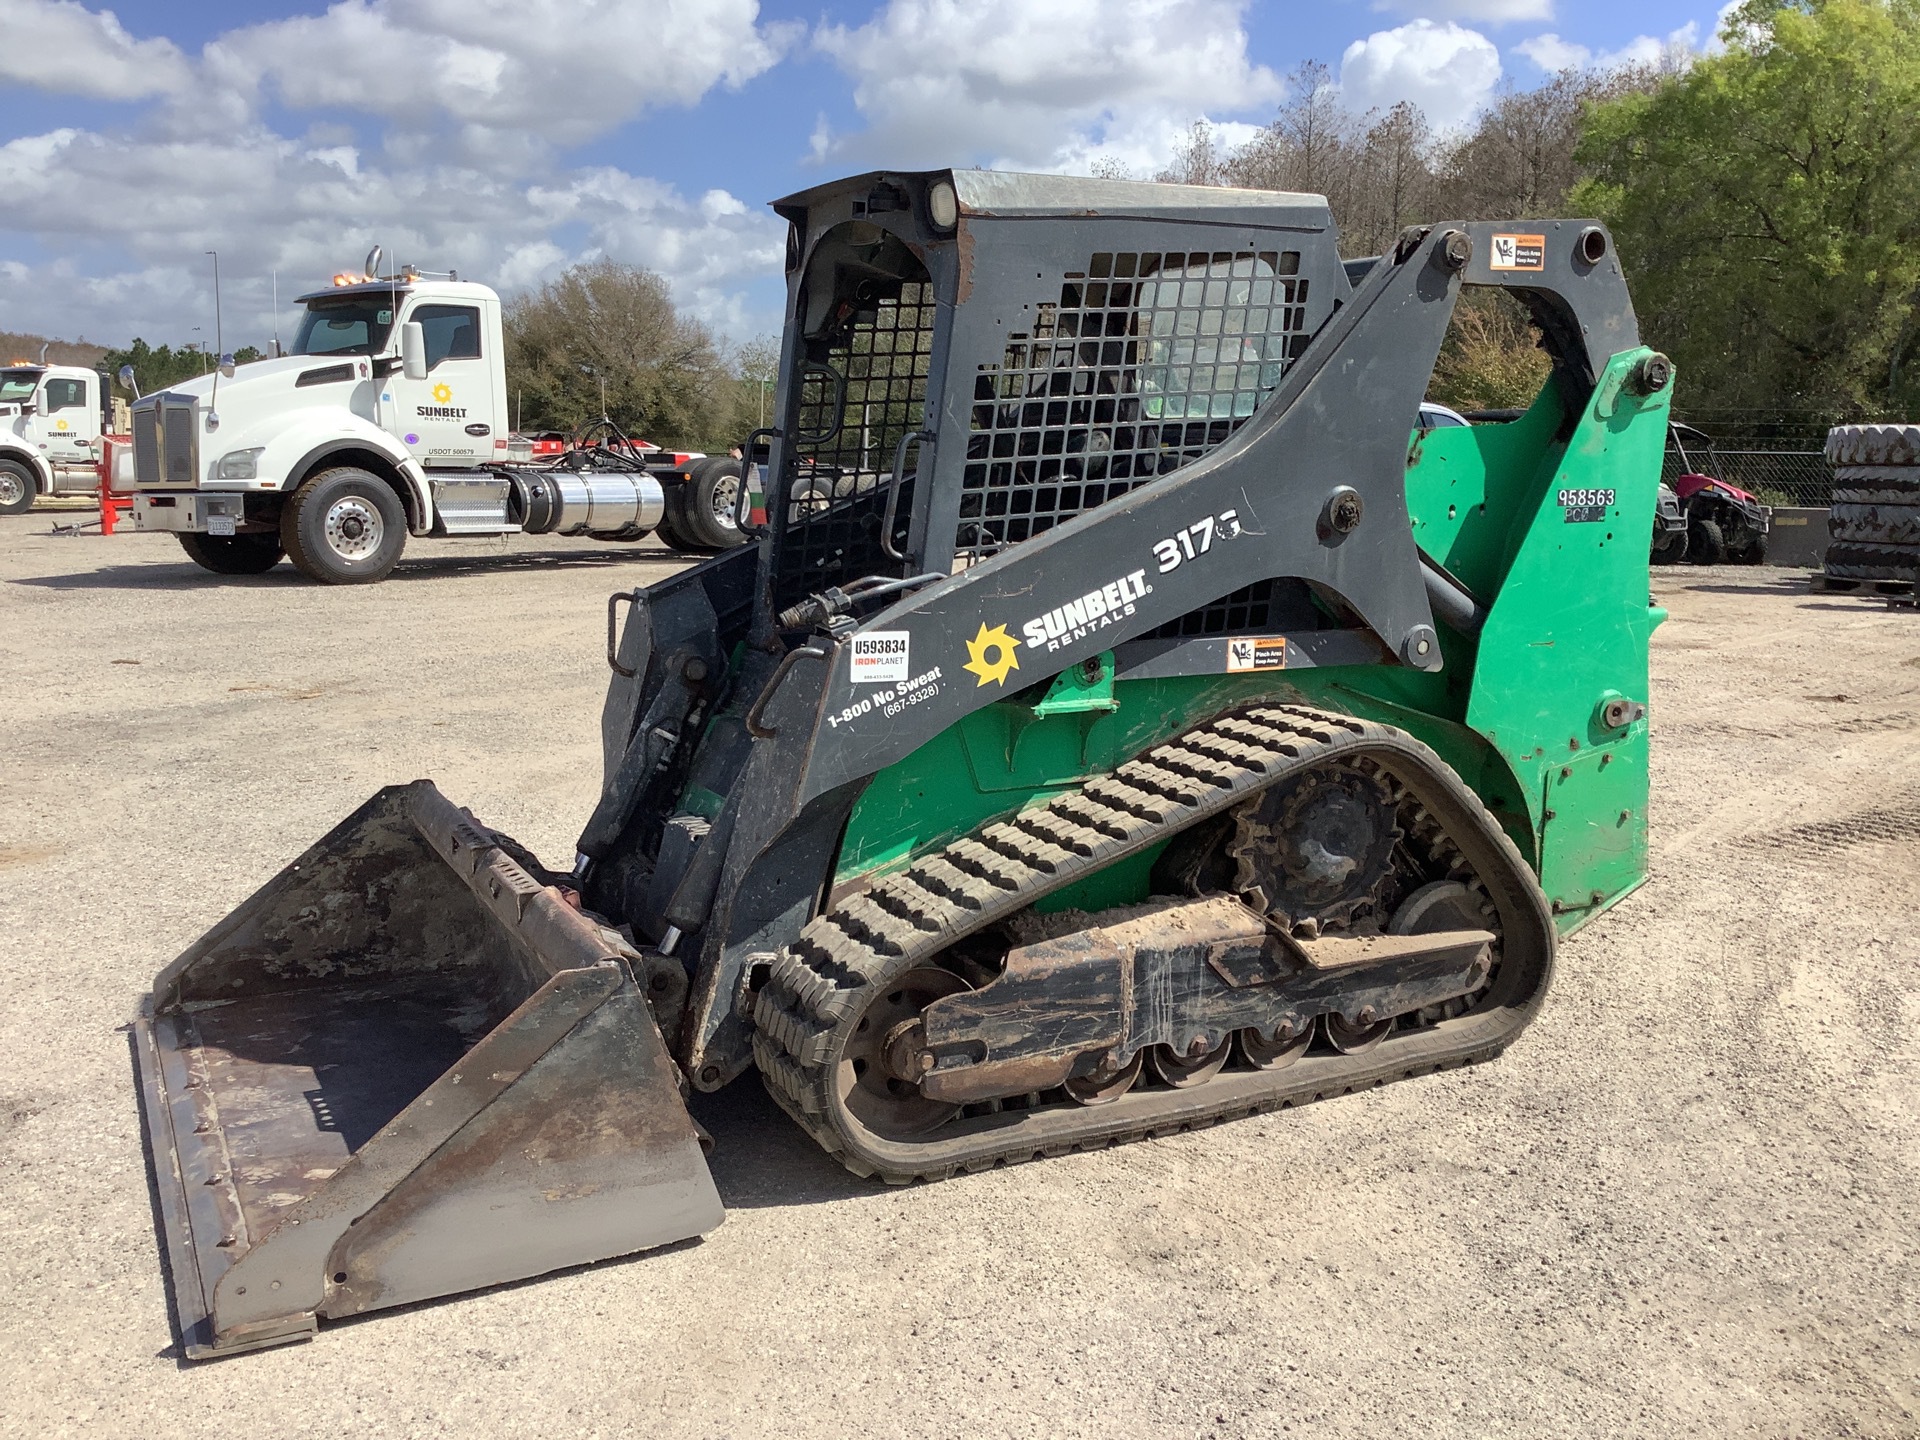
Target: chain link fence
x,y
1778,455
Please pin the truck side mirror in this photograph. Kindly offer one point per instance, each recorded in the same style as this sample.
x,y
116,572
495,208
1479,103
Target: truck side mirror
x,y
126,381
413,350
226,365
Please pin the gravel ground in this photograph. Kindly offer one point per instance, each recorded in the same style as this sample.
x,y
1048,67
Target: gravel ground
x,y
1684,1203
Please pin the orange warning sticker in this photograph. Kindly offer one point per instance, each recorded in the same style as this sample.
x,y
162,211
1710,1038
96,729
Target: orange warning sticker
x,y
1519,252
1256,652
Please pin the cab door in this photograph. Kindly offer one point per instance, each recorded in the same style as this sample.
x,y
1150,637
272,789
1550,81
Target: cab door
x,y
445,419
69,421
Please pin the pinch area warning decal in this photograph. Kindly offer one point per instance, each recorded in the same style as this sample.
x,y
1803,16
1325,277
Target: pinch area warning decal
x,y
1256,652
1518,252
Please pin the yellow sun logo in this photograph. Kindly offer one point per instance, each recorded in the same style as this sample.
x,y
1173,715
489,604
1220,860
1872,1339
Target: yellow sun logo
x,y
442,394
62,424
1001,645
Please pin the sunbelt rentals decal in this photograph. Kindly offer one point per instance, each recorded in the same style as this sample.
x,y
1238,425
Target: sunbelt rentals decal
x,y
442,408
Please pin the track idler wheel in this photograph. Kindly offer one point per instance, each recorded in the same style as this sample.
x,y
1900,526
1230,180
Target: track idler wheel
x,y
1196,1067
874,1085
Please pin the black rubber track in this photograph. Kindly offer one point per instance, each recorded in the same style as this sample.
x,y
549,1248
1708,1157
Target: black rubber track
x,y
819,986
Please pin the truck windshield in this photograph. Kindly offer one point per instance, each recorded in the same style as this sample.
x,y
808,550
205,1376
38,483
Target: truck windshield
x,y
345,327
17,385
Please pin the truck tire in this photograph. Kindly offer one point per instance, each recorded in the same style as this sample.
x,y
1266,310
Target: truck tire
x,y
1876,485
1706,544
344,527
672,527
712,491
233,554
1878,561
1849,445
1874,523
17,488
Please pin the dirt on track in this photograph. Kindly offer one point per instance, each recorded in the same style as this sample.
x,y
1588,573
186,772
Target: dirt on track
x,y
1683,1204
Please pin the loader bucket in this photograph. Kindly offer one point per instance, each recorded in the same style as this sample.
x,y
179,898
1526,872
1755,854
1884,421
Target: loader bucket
x,y
403,1069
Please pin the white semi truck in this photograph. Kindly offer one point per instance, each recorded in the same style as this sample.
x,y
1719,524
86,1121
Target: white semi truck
x,y
388,419
52,418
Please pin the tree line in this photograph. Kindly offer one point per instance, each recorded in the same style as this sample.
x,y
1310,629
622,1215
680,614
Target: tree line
x,y
1765,200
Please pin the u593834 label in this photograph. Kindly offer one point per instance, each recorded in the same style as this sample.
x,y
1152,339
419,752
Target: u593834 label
x,y
880,655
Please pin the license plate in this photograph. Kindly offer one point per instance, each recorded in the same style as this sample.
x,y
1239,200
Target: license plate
x,y
220,524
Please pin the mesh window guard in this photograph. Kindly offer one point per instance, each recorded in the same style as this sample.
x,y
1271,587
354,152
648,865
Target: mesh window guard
x,y
866,389
1146,362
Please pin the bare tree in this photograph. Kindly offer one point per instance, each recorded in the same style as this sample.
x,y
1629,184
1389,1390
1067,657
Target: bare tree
x,y
1197,161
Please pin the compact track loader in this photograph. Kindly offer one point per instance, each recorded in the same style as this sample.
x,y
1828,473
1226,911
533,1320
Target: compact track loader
x,y
1124,721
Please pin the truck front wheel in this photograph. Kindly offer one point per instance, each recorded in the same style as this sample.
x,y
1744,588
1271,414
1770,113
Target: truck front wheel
x,y
344,527
233,554
16,488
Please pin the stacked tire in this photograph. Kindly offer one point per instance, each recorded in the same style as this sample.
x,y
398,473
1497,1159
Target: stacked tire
x,y
1874,526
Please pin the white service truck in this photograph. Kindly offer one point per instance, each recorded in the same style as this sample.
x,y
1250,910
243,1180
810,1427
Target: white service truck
x,y
52,418
388,418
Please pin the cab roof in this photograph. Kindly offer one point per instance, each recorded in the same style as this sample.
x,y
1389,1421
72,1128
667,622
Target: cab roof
x,y
369,288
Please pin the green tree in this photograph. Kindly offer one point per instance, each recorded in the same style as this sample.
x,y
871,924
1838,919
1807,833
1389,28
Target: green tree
x,y
156,369
606,328
1767,206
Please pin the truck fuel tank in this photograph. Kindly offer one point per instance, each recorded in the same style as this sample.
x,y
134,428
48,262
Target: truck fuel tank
x,y
607,504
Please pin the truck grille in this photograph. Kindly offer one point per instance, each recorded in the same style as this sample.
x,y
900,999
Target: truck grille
x,y
166,442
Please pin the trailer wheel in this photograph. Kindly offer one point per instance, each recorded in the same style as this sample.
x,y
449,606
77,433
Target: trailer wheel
x,y
233,554
712,495
16,488
1706,544
672,527
344,527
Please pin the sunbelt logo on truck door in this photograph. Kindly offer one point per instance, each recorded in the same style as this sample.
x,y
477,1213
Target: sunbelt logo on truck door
x,y
441,410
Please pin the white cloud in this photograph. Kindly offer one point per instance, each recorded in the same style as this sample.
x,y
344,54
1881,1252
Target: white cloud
x,y
1492,12
1039,86
1446,69
562,70
1553,54
63,47
478,96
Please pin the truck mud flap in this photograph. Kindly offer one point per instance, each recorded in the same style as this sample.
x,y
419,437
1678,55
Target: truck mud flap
x,y
404,1068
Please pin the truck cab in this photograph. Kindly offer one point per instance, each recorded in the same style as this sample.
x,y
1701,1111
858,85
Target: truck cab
x,y
387,419
394,391
51,422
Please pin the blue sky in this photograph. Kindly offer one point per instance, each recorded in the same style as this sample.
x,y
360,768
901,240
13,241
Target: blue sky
x,y
511,138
